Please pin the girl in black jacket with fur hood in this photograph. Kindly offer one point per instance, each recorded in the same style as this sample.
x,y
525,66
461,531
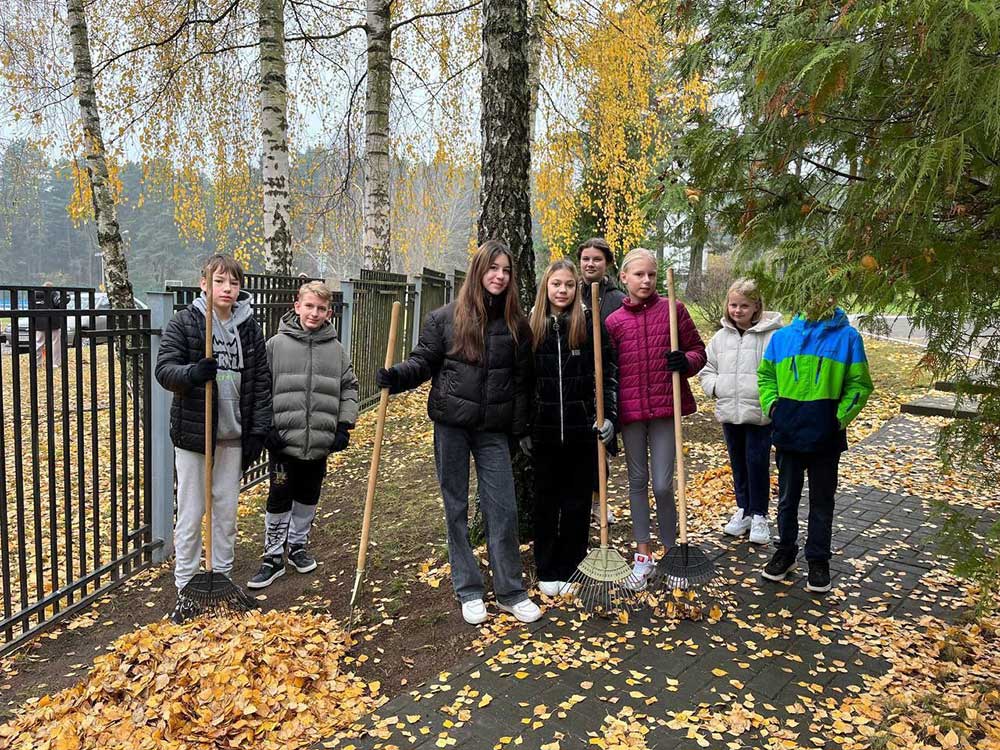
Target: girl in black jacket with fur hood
x,y
564,422
477,352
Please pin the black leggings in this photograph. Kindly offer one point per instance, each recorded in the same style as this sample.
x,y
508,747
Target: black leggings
x,y
563,485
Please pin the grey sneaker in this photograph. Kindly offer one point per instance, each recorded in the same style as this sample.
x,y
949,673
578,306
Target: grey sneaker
x,y
270,569
301,560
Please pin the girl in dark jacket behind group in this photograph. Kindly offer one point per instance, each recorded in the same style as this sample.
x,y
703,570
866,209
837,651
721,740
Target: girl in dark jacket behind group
x,y
477,352
563,424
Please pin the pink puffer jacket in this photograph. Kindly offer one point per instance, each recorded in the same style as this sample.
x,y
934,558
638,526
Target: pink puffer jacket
x,y
640,333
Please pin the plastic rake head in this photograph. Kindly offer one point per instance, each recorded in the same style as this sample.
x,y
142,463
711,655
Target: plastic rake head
x,y
684,567
708,602
213,593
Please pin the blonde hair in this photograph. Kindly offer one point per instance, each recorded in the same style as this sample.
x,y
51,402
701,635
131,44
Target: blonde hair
x,y
540,312
636,254
749,289
319,288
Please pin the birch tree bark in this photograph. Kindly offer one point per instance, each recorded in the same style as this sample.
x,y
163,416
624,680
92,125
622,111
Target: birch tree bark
x,y
538,17
505,202
109,235
378,230
275,170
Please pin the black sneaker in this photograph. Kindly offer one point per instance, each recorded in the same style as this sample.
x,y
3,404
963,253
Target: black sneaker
x,y
184,610
819,576
782,562
271,568
301,560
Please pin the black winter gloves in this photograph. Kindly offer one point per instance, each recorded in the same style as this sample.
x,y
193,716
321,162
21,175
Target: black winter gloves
x,y
204,370
386,378
677,362
253,446
273,441
343,436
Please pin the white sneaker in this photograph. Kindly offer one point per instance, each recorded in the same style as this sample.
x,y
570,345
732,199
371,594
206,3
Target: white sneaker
x,y
474,611
760,530
738,525
642,569
553,588
526,611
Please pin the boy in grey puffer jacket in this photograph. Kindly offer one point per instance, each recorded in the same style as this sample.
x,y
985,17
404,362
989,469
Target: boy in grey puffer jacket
x,y
315,400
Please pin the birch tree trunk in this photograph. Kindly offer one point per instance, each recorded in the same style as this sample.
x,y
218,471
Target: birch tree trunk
x,y
504,196
275,170
378,230
538,17
109,235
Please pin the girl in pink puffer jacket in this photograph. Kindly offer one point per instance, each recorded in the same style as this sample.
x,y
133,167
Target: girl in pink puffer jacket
x,y
640,333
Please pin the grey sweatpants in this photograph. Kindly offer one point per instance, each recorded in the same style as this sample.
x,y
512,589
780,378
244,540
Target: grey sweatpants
x,y
648,444
226,472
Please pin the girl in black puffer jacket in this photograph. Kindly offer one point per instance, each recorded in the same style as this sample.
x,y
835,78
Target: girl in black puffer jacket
x,y
563,424
477,352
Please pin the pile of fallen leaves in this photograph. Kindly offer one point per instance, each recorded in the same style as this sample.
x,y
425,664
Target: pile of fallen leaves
x,y
942,688
267,680
711,498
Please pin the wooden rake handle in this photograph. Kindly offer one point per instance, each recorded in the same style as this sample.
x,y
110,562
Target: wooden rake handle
x,y
383,405
602,466
207,530
678,431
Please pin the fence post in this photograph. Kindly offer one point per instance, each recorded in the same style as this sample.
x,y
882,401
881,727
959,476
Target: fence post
x,y
418,297
161,310
347,314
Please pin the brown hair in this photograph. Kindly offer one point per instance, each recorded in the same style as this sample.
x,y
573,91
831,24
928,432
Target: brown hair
x,y
470,307
222,264
598,243
318,288
540,312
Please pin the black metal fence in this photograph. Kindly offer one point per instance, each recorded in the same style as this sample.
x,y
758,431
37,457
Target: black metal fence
x,y
74,440
435,291
373,296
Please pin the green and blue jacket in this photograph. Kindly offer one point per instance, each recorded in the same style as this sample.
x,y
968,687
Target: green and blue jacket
x,y
814,376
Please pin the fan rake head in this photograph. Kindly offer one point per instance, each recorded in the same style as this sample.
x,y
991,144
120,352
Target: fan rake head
x,y
684,567
602,581
212,593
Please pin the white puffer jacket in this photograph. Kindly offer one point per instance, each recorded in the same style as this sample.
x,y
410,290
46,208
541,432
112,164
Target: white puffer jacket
x,y
730,375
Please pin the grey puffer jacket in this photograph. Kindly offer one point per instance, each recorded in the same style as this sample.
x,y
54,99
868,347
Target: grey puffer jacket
x,y
314,387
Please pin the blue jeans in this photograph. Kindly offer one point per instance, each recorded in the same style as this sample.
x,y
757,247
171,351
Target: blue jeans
x,y
749,447
822,469
453,447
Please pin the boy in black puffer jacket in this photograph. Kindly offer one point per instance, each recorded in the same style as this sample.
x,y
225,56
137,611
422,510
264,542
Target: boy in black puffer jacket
x,y
241,415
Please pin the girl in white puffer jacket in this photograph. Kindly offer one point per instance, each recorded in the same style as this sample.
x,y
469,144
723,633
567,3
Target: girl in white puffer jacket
x,y
730,377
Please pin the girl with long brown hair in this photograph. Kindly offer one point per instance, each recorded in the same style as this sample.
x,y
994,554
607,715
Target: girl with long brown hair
x,y
477,353
563,424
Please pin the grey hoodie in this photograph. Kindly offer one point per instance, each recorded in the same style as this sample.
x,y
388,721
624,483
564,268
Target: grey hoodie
x,y
228,352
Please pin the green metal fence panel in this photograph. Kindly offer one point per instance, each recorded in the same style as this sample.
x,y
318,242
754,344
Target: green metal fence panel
x,y
459,277
433,292
374,294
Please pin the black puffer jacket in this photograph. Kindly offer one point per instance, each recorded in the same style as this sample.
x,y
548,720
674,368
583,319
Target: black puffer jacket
x,y
182,345
565,408
492,395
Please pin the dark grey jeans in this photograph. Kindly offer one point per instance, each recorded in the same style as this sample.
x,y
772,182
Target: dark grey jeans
x,y
452,448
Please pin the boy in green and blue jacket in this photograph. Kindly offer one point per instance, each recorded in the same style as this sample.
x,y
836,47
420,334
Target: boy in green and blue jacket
x,y
813,380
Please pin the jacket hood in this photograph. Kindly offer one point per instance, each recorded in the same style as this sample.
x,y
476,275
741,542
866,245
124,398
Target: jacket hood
x,y
837,320
292,326
769,321
242,307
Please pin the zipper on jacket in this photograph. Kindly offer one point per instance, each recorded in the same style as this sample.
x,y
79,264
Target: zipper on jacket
x,y
739,350
795,370
486,369
819,368
555,324
309,377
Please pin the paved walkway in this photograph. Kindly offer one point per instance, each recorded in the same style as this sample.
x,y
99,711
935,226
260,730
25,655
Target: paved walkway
x,y
773,670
